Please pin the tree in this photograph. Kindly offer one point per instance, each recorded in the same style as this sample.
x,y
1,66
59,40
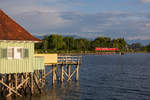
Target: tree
x,y
82,44
68,43
136,47
148,48
45,43
55,42
120,43
101,42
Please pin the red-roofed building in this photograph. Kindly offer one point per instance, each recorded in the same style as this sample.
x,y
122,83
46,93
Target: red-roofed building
x,y
17,48
10,30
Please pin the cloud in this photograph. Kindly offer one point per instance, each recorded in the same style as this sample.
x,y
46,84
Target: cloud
x,y
109,24
47,16
145,1
42,21
138,38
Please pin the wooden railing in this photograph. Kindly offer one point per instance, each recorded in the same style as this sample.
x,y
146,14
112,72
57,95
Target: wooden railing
x,y
70,59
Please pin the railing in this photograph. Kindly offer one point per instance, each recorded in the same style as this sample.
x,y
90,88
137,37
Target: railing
x,y
69,59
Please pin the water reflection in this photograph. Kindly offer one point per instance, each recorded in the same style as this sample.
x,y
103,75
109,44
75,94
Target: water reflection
x,y
68,91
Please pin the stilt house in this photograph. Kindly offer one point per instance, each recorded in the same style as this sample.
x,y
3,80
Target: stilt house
x,y
17,48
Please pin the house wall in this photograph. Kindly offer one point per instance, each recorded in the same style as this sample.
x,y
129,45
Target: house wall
x,y
17,65
38,63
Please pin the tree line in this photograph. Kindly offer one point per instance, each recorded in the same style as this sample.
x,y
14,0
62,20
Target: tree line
x,y
58,43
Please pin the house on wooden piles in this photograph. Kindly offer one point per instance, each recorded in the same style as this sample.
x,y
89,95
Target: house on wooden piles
x,y
17,48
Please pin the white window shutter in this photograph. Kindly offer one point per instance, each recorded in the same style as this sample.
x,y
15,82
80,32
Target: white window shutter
x,y
10,53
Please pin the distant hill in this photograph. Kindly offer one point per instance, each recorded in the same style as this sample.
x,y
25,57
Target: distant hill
x,y
144,42
39,37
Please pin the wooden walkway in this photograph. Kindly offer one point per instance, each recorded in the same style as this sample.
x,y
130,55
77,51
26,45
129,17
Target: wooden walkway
x,y
69,60
65,68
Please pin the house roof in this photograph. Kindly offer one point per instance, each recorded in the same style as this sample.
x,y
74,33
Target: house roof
x,y
10,30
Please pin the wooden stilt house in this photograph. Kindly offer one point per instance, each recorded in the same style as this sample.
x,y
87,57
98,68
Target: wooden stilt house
x,y
22,71
17,48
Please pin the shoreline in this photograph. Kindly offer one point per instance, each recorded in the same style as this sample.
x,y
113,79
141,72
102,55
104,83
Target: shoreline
x,y
97,53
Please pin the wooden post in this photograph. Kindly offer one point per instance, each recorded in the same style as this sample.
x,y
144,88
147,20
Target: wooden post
x,y
77,73
69,71
37,73
62,73
9,82
31,83
25,85
22,79
2,87
16,81
54,77
43,78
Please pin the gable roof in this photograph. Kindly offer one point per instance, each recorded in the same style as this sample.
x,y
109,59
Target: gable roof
x,y
10,30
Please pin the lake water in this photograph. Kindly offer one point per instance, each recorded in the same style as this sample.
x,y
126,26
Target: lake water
x,y
106,77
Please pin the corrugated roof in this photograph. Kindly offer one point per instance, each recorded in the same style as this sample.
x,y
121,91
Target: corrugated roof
x,y
10,30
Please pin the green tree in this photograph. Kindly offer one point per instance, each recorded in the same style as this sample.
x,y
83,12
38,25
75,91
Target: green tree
x,y
55,42
82,44
148,48
69,43
136,47
119,43
101,42
45,43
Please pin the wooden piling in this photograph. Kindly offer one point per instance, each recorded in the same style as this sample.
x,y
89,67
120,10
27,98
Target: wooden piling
x,y
69,71
31,83
54,76
9,83
77,72
19,84
43,78
16,80
62,73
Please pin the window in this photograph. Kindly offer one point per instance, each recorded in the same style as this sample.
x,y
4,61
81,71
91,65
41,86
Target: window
x,y
16,52
10,53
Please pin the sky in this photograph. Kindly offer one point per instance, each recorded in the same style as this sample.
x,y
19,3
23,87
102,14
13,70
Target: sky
x,y
84,18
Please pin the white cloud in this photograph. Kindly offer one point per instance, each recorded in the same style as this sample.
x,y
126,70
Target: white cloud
x,y
42,16
42,21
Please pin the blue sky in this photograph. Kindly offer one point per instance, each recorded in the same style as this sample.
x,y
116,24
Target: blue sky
x,y
85,18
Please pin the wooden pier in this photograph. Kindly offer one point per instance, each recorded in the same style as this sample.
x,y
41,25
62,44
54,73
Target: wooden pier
x,y
21,71
61,68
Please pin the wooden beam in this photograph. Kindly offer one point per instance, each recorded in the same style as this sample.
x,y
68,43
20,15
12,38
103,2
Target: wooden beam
x,y
36,82
69,78
69,71
19,86
10,88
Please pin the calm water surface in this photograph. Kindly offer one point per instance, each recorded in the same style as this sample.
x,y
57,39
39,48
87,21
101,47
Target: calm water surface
x,y
106,77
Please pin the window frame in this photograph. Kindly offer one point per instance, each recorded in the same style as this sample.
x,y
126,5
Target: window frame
x,y
14,53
